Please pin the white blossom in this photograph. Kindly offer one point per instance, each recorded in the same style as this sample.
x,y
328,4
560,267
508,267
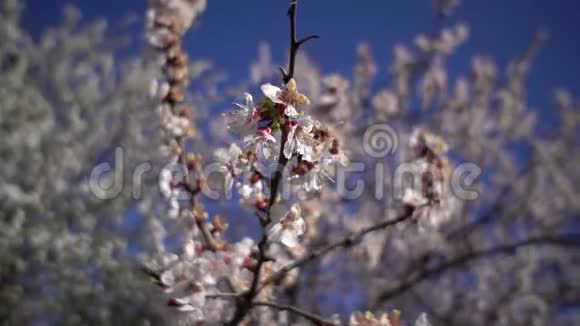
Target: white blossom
x,y
261,143
289,228
243,121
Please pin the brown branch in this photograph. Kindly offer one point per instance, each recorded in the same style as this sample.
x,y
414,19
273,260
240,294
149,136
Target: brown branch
x,y
286,76
244,304
222,296
415,279
208,238
294,43
501,203
345,242
314,318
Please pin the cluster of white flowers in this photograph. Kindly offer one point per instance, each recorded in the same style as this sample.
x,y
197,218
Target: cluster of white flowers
x,y
198,273
431,197
447,40
309,149
170,187
385,104
274,131
194,280
289,227
167,21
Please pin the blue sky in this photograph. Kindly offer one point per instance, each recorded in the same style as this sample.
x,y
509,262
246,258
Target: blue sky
x,y
230,31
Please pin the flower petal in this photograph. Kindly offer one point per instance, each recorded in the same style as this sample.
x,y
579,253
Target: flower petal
x,y
299,227
274,232
249,100
289,238
272,92
290,111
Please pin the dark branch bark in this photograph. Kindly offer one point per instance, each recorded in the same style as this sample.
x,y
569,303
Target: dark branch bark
x,y
501,202
315,319
345,242
294,43
245,302
415,279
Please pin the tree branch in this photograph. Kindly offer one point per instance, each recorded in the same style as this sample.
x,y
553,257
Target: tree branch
x,y
566,241
208,238
294,43
244,303
345,242
315,319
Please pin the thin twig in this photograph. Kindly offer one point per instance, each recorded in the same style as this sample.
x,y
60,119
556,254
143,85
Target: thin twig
x,y
501,202
287,76
314,318
345,242
222,296
208,238
294,43
245,303
566,241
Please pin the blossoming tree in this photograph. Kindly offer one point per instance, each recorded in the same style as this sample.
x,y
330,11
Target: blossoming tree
x,y
287,155
435,198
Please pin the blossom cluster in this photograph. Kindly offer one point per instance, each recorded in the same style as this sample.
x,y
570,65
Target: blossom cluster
x,y
277,124
167,21
430,196
275,131
505,258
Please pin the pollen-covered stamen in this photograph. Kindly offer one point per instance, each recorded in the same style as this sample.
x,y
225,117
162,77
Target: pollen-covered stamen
x,y
290,95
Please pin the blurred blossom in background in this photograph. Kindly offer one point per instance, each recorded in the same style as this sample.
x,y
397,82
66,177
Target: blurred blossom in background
x,y
489,85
